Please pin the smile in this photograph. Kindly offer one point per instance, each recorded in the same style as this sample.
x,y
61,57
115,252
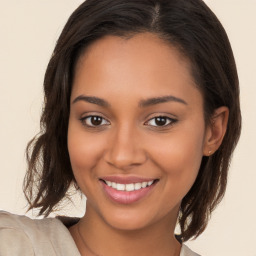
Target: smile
x,y
129,187
127,191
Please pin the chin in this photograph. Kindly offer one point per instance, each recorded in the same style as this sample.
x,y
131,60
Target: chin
x,y
131,219
127,223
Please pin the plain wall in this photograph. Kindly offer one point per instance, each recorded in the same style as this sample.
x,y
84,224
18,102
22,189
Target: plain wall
x,y
29,30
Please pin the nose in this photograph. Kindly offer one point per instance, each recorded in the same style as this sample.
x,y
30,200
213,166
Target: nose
x,y
125,149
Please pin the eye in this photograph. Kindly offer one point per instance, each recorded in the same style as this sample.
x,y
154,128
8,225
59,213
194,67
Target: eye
x,y
160,121
94,121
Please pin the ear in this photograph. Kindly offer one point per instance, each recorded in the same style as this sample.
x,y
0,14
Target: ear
x,y
215,130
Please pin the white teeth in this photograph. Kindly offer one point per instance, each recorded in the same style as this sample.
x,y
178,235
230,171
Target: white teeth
x,y
108,183
150,183
120,187
137,186
130,186
144,184
113,185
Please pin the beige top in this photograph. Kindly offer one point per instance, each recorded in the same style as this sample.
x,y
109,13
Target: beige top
x,y
20,235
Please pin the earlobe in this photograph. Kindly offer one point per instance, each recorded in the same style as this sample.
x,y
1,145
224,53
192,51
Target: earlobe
x,y
216,130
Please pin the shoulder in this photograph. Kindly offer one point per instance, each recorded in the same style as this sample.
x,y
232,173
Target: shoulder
x,y
185,251
10,233
34,237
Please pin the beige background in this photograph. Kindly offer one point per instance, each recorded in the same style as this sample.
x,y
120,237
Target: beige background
x,y
29,29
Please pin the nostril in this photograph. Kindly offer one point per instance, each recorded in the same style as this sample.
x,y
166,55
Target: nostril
x,y
125,160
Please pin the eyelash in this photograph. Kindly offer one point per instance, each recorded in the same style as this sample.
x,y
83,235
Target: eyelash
x,y
170,121
86,118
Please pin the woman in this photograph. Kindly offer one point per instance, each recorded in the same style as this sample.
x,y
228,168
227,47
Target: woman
x,y
139,101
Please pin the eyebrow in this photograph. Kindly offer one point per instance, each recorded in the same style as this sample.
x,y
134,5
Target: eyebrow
x,y
142,103
158,100
92,99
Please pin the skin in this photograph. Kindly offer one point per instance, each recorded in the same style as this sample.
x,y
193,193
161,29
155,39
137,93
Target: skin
x,y
125,73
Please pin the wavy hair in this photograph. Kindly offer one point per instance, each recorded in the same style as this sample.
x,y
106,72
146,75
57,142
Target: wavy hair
x,y
188,25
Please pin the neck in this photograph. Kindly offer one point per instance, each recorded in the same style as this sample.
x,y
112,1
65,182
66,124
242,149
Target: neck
x,y
95,238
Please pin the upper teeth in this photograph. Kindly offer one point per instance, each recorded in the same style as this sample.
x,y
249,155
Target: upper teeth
x,y
129,187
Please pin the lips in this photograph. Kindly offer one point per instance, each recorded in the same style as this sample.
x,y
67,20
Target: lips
x,y
130,186
127,190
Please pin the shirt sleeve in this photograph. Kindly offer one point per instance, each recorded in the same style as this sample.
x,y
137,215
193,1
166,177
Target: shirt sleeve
x,y
13,240
22,236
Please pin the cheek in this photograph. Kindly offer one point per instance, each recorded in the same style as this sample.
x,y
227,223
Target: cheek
x,y
84,150
179,158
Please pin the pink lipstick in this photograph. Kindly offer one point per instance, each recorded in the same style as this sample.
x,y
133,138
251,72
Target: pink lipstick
x,y
127,190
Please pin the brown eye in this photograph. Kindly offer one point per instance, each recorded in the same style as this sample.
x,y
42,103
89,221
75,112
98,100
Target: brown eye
x,y
94,121
161,121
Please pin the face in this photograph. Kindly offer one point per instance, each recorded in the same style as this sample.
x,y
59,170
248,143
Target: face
x,y
136,130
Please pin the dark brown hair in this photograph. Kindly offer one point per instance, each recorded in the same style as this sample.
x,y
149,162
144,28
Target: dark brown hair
x,y
194,30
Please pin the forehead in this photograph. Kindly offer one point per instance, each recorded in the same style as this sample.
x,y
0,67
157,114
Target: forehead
x,y
143,64
142,46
